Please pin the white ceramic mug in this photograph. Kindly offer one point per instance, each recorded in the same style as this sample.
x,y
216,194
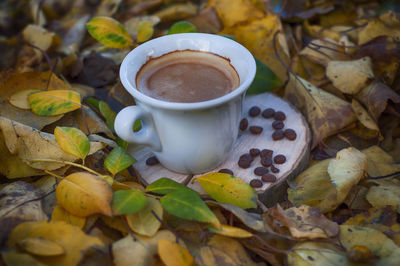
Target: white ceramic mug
x,y
189,138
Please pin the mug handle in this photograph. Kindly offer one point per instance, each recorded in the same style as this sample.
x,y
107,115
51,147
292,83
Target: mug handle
x,y
147,135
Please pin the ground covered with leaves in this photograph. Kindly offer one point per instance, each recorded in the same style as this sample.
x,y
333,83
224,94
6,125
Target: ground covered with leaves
x,y
70,194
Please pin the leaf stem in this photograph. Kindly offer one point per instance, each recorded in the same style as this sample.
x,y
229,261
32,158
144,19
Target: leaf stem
x,y
53,174
69,163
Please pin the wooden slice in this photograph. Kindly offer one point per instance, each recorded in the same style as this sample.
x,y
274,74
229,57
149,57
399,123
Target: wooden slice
x,y
296,152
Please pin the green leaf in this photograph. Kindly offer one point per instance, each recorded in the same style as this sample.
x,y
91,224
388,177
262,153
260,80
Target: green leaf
x,y
72,141
144,222
118,160
164,186
229,189
122,143
233,38
109,32
145,31
137,125
93,102
265,80
182,27
54,102
128,201
108,114
187,204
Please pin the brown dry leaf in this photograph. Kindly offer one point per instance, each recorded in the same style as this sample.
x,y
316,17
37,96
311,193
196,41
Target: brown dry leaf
x,y
20,99
31,144
206,21
305,222
257,36
346,170
176,12
326,113
232,12
116,223
40,38
387,24
83,194
310,71
132,25
70,238
172,254
363,116
28,81
108,7
60,214
379,162
41,247
322,51
376,97
350,76
139,251
223,250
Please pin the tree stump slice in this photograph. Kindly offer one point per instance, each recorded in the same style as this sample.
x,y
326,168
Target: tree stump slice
x,y
297,152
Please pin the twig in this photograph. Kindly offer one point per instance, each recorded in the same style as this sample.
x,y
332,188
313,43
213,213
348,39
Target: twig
x,y
262,206
177,235
268,246
282,8
130,232
384,176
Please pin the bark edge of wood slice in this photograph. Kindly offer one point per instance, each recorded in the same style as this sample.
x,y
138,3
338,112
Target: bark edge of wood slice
x,y
297,152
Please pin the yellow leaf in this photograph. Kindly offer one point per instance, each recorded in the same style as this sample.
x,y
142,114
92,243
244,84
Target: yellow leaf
x,y
70,238
116,223
109,32
347,170
176,11
59,214
379,162
316,253
323,51
144,222
258,35
55,102
83,194
20,99
172,254
363,116
40,37
231,231
72,141
232,12
387,193
387,24
14,258
145,31
41,247
350,76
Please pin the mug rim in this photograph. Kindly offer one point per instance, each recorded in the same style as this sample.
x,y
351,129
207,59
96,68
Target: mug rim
x,y
131,88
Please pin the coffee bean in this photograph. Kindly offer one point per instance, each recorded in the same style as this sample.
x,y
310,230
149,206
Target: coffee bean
x,y
267,162
280,159
274,169
256,183
268,113
152,160
246,156
290,134
226,171
268,178
266,153
254,152
254,111
279,116
244,123
278,134
256,130
277,124
261,171
245,160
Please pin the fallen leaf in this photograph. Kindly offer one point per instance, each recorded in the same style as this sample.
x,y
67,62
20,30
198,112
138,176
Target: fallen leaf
x,y
74,242
164,186
132,24
225,188
109,32
128,201
108,7
379,244
376,97
30,144
206,21
231,231
20,99
181,27
172,254
350,76
387,24
12,258
72,141
40,37
176,12
379,162
305,222
314,188
144,222
145,31
116,223
387,193
250,33
316,253
41,247
117,160
187,204
265,80
363,116
326,113
323,51
60,214
83,194
55,102
346,170
382,49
